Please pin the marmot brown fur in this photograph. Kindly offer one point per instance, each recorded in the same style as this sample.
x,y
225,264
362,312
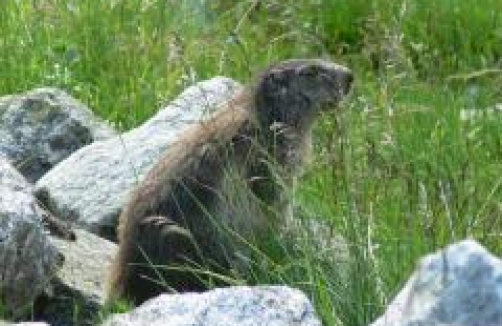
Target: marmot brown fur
x,y
176,220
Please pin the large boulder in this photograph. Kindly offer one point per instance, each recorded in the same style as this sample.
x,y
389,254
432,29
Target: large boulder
x,y
91,186
234,306
458,286
42,127
27,258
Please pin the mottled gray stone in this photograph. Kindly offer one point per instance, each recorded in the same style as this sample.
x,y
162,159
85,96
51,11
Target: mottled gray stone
x,y
458,286
79,289
42,127
91,186
87,263
233,306
27,259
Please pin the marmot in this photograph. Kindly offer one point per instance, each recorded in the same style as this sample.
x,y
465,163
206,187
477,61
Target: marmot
x,y
212,181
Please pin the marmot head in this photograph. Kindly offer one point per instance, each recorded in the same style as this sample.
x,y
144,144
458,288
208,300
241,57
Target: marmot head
x,y
293,92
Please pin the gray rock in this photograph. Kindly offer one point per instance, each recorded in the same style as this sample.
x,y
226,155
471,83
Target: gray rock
x,y
458,286
42,127
92,185
78,291
234,306
87,263
27,259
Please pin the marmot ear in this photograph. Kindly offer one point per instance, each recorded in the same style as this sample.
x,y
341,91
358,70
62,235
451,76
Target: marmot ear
x,y
274,76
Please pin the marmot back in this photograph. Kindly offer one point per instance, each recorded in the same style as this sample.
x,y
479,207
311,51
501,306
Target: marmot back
x,y
178,219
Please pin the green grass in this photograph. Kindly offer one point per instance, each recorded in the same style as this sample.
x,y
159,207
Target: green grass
x,y
398,173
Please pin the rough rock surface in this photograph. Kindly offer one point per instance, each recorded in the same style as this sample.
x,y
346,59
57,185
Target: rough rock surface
x,y
42,127
27,259
81,284
458,286
87,262
91,186
235,306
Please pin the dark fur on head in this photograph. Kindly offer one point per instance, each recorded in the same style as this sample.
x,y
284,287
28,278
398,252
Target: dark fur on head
x,y
174,216
293,91
288,97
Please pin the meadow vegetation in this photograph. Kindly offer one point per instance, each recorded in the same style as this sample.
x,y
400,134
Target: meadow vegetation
x,y
413,162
